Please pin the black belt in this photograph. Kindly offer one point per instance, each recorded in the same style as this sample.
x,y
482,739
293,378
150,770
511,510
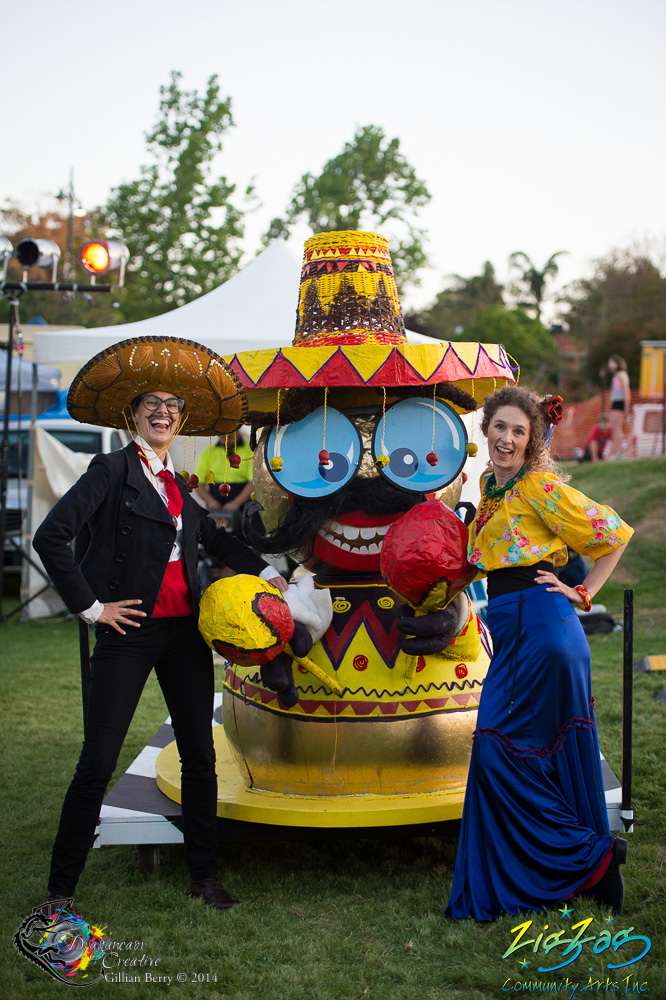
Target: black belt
x,y
508,581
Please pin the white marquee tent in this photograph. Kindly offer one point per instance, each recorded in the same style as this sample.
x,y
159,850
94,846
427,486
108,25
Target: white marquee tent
x,y
253,311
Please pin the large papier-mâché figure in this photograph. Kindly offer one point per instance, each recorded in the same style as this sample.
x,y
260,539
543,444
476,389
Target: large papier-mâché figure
x,y
366,717
358,427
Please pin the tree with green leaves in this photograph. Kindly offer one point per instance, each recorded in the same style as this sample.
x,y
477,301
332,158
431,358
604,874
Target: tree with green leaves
x,y
530,283
623,303
368,186
524,338
459,305
178,218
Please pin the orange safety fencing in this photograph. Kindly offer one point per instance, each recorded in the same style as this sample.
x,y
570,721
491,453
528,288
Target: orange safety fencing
x,y
579,419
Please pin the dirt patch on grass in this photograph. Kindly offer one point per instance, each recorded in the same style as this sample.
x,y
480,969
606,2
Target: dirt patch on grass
x,y
653,526
624,576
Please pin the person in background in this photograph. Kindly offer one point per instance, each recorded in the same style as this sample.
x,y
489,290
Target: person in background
x,y
236,472
596,441
620,401
138,584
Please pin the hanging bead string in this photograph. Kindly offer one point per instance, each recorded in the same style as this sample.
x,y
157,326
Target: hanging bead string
x,y
187,458
470,447
383,459
324,457
225,489
234,457
433,457
209,478
276,461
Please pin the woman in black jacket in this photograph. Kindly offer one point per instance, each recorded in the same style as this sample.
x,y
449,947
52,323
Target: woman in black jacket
x,y
138,583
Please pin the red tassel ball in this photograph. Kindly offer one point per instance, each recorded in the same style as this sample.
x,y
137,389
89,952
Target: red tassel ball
x,y
324,457
432,458
225,489
234,461
192,483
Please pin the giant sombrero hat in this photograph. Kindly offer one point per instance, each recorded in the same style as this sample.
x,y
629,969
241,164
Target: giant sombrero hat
x,y
215,402
350,333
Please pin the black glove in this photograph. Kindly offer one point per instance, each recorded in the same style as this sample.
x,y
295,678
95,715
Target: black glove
x,y
434,631
301,640
278,675
470,512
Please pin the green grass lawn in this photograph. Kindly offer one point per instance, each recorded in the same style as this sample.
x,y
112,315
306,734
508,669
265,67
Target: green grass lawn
x,y
342,920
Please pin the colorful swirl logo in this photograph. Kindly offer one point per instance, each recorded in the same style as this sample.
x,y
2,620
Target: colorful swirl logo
x,y
63,944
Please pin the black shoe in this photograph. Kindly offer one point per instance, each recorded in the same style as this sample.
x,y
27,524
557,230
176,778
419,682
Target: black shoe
x,y
213,893
610,887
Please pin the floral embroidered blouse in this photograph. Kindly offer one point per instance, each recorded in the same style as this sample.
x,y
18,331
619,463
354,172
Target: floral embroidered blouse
x,y
537,519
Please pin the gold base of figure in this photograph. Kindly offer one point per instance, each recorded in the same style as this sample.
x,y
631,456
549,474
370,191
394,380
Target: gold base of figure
x,y
236,801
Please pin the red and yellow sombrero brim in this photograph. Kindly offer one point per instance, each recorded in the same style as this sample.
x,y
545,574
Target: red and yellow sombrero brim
x,y
476,368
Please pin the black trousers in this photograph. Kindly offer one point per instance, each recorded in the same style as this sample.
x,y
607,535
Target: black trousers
x,y
120,666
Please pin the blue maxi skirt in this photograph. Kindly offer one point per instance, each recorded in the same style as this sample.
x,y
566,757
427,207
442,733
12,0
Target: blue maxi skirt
x,y
534,825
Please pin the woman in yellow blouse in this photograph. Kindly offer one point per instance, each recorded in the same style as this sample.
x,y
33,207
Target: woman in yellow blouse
x,y
535,828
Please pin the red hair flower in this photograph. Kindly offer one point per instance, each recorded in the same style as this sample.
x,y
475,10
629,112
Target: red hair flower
x,y
552,409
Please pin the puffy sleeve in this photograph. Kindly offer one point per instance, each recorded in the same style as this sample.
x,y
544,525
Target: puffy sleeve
x,y
588,527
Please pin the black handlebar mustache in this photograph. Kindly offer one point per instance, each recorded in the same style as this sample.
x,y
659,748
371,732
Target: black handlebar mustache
x,y
374,496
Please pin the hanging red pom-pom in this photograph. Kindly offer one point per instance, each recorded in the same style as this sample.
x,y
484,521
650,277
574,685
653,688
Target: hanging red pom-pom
x,y
192,483
225,490
324,457
432,458
234,461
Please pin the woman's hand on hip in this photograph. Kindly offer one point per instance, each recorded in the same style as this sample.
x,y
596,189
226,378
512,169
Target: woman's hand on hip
x,y
116,614
555,586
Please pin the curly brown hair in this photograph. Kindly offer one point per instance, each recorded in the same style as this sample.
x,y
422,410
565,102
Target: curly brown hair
x,y
536,454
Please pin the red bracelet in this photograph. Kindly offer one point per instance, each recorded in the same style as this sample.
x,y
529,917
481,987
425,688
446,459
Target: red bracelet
x,y
585,594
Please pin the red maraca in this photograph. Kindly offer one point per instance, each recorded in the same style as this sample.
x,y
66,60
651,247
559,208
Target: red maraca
x,y
424,556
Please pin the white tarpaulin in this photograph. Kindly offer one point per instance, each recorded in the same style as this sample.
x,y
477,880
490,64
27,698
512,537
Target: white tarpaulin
x,y
55,469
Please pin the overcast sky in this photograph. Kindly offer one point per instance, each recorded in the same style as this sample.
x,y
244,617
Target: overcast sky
x,y
536,126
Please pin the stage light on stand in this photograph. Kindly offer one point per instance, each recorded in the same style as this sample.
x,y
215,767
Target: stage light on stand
x,y
38,253
6,250
99,256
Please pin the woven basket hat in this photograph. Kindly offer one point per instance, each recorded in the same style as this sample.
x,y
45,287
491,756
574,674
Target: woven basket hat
x,y
215,401
350,332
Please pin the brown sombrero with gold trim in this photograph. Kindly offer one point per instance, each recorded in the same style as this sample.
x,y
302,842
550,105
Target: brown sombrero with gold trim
x,y
215,401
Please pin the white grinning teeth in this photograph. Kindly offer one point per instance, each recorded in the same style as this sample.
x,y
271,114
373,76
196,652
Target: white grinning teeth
x,y
335,532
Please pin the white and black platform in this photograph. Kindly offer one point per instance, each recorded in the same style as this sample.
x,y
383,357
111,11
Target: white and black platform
x,y
136,812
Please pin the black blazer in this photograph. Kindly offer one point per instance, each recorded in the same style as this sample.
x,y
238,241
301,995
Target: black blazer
x,y
131,537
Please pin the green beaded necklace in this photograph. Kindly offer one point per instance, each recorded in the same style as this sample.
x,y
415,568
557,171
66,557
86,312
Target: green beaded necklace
x,y
492,490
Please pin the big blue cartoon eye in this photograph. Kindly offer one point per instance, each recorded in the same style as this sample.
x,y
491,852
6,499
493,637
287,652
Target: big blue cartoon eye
x,y
299,445
405,434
